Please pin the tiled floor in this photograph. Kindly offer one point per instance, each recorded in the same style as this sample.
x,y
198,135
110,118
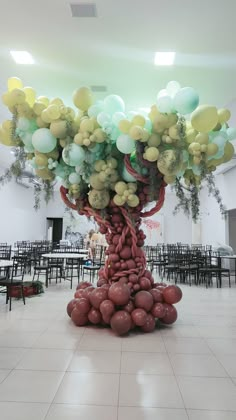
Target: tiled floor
x,y
52,370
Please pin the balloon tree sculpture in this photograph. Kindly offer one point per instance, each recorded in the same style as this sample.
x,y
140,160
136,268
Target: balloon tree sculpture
x,y
113,164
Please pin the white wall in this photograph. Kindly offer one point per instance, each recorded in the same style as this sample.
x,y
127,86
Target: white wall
x,y
18,219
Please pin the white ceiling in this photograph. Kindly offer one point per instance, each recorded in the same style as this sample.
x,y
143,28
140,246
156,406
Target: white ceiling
x,y
116,49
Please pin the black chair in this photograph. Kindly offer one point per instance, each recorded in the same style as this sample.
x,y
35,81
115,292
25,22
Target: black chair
x,y
90,267
41,268
211,269
14,280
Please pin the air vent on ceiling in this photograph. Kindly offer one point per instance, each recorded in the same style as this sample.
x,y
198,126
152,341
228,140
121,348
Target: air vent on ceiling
x,y
98,88
83,10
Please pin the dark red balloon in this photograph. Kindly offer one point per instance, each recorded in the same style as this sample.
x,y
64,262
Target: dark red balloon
x,y
94,316
125,253
119,293
78,318
133,278
136,287
79,293
131,264
158,310
83,305
129,307
101,282
71,306
139,317
121,322
171,314
145,283
87,291
144,300
98,296
172,294
107,308
149,325
157,295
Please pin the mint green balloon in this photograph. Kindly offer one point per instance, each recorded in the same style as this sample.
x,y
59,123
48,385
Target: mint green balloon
x,y
43,140
125,144
73,154
186,100
113,103
74,178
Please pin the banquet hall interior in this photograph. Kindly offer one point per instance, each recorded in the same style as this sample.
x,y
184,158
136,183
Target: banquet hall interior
x,y
50,368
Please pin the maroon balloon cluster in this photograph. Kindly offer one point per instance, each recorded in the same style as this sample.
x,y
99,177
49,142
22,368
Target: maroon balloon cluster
x,y
127,296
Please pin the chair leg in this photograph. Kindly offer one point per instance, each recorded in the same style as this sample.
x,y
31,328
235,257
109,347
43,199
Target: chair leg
x,y
23,295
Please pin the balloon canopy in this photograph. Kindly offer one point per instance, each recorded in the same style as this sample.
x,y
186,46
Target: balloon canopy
x,y
101,151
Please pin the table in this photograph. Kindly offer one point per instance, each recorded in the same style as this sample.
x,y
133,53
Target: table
x,y
6,263
66,255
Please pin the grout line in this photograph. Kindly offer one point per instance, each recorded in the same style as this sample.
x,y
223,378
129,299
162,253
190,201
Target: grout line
x,y
168,355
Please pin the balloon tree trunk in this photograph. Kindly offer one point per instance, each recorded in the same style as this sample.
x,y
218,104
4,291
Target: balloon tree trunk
x,y
126,295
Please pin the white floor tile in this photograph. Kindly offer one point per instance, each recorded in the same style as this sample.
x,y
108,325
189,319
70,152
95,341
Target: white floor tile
x,y
144,343
136,413
208,393
221,346
30,386
46,359
95,361
211,415
9,357
88,388
91,342
197,365
186,345
149,391
146,363
23,411
3,374
18,339
81,412
55,340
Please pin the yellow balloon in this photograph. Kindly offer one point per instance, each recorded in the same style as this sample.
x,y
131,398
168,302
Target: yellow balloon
x,y
14,83
41,160
45,117
212,149
53,112
138,120
38,108
5,138
154,140
17,96
7,125
136,132
23,110
44,100
45,174
124,126
191,135
83,98
151,154
228,152
30,95
223,115
41,123
202,138
7,100
59,128
204,118
56,101
119,200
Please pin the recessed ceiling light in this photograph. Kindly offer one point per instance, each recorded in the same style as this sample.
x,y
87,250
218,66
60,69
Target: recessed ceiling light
x,y
22,57
164,58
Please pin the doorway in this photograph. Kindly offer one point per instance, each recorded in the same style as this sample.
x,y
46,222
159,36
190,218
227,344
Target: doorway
x,y
54,229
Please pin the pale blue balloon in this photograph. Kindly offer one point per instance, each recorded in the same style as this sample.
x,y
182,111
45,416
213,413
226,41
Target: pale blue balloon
x,y
186,100
103,118
131,115
23,124
94,110
73,154
27,140
126,175
74,178
165,104
117,117
231,133
125,144
220,141
172,88
43,140
113,103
